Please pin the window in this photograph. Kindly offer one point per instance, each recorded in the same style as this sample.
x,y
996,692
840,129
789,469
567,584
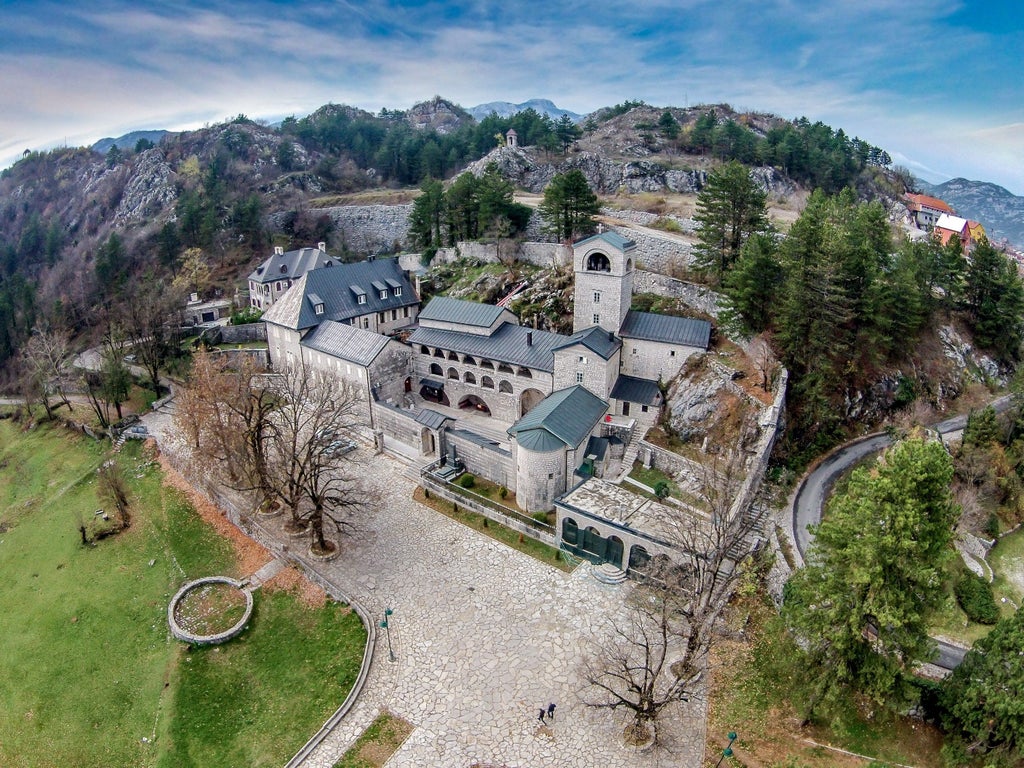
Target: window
x,y
380,317
487,364
551,475
644,408
672,353
468,360
277,287
469,378
579,377
318,309
398,290
525,373
384,293
597,319
597,297
633,351
505,368
505,387
405,311
452,356
424,349
487,381
436,369
581,359
366,322
394,314
361,299
453,374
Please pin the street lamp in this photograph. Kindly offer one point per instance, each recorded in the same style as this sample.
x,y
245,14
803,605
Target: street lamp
x,y
385,626
727,752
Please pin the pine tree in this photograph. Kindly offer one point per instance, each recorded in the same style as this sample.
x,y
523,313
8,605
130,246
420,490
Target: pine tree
x,y
569,206
730,208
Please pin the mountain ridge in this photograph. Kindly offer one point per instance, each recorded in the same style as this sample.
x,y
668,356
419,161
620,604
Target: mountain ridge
x,y
999,210
507,109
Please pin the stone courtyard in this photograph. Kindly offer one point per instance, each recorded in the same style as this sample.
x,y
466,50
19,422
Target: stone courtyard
x,y
483,637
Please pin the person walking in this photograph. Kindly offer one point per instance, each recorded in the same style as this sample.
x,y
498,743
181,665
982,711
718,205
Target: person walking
x,y
551,711
541,715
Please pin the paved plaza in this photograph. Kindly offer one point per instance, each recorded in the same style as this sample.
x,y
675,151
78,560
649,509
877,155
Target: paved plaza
x,y
483,637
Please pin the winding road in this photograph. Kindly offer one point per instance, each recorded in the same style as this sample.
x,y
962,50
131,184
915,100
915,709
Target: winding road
x,y
815,488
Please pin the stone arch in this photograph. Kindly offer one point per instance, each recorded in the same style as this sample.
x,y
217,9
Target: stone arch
x,y
453,356
639,558
424,349
428,445
505,368
453,374
613,551
528,400
487,381
504,386
472,402
593,542
487,364
439,353
629,265
436,369
598,262
570,531
468,360
469,378
524,372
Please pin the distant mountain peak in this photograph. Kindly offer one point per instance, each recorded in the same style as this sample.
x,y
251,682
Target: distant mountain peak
x,y
507,109
1000,211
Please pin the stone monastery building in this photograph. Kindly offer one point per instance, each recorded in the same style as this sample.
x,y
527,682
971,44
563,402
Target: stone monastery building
x,y
531,410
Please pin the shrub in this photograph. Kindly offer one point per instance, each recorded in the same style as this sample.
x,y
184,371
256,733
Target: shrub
x,y
467,480
975,596
541,517
666,224
503,492
661,489
246,315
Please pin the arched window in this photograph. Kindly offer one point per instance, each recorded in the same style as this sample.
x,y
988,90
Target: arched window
x,y
570,531
487,381
453,374
524,372
504,386
613,552
468,360
436,369
487,364
629,265
452,356
438,353
638,558
592,541
469,378
424,349
505,368
598,262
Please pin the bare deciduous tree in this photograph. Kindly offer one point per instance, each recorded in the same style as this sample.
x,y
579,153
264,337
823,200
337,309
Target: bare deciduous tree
x,y
659,651
44,364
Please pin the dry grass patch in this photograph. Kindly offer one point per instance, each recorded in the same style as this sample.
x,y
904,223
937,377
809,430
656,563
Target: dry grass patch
x,y
378,743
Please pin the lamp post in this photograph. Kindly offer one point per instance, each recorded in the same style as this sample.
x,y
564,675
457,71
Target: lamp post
x,y
727,752
387,628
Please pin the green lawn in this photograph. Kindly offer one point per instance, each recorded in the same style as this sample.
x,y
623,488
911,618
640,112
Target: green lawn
x,y
89,669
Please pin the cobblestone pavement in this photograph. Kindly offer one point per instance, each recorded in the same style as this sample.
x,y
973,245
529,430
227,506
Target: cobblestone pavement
x,y
483,637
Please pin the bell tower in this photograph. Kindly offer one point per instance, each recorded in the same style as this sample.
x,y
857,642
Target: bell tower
x,y
603,265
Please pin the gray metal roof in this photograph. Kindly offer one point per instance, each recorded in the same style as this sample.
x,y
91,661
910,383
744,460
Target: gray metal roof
x,y
613,239
338,288
346,342
687,331
445,309
596,339
431,419
483,442
597,447
508,344
291,265
567,415
636,390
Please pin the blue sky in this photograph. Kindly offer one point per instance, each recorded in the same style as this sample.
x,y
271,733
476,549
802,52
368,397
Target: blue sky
x,y
937,83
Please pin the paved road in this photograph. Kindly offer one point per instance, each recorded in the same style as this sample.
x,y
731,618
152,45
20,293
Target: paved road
x,y
814,491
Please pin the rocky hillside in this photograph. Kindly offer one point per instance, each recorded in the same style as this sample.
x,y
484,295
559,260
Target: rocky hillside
x,y
1001,211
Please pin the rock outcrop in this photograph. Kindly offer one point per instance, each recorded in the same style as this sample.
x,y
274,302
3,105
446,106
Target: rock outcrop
x,y
150,190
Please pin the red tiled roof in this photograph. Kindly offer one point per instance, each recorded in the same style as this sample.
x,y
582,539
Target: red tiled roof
x,y
927,201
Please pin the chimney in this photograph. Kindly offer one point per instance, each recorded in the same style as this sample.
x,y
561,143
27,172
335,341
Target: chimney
x,y
322,246
529,338
611,335
278,250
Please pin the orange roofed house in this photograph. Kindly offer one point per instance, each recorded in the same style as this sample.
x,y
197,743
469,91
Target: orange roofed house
x,y
926,210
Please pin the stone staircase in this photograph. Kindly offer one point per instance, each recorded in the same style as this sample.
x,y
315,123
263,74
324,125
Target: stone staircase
x,y
607,573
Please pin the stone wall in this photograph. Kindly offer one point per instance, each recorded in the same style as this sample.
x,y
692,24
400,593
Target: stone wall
x,y
697,296
658,254
538,253
397,424
369,229
492,462
242,334
645,219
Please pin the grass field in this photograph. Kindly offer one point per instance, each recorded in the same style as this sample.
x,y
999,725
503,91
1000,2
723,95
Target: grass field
x,y
91,676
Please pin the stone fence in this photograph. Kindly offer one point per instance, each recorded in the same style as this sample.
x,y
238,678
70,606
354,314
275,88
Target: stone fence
x,y
699,297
